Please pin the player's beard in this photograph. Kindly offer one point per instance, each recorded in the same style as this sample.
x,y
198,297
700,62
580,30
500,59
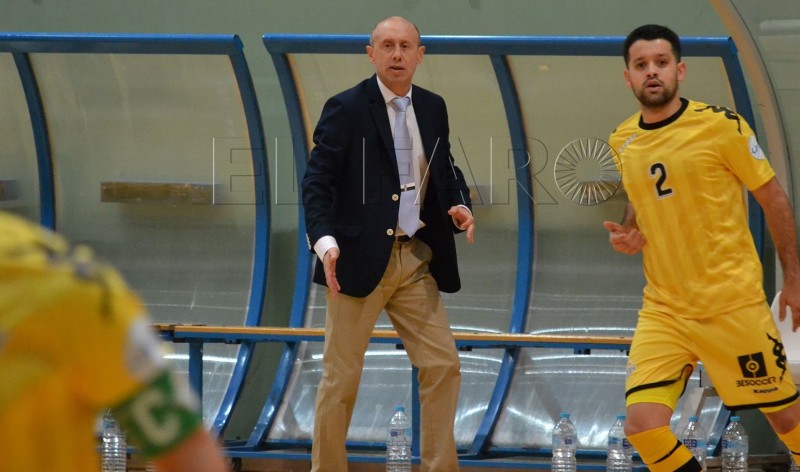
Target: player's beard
x,y
657,101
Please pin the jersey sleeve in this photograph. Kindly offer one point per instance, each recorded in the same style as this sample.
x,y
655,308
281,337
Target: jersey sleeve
x,y
742,154
120,364
160,416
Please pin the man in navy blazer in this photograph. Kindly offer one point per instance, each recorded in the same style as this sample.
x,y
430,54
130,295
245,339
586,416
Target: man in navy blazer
x,y
351,195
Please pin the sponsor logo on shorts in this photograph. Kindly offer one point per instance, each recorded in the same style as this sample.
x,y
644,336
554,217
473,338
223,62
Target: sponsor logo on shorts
x,y
756,382
753,365
754,369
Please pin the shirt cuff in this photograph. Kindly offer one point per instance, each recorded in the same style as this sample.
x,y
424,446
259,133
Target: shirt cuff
x,y
323,244
455,223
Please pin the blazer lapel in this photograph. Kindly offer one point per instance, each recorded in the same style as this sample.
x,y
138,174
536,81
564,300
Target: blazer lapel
x,y
377,108
425,128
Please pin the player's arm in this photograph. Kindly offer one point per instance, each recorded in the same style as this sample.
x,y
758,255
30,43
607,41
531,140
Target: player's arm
x,y
163,421
780,221
155,407
625,237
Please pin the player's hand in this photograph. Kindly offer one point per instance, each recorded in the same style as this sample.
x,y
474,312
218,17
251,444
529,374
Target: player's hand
x,y
790,298
329,263
626,240
464,220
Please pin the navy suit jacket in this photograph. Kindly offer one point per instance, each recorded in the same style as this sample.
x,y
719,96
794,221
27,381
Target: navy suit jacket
x,y
351,178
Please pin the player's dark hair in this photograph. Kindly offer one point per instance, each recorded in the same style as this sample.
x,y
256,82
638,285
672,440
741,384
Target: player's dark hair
x,y
651,33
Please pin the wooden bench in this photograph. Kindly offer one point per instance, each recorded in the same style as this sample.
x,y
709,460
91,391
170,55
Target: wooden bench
x,y
198,335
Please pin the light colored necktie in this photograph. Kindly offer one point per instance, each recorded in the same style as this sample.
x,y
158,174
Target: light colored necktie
x,y
408,219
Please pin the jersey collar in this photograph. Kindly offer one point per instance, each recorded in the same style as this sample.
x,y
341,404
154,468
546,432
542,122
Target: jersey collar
x,y
666,121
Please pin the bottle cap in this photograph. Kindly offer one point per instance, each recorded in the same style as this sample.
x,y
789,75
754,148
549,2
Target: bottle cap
x,y
400,408
564,415
692,418
735,418
620,417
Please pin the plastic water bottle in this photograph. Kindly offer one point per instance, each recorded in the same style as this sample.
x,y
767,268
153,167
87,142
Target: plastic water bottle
x,y
115,449
694,437
734,447
619,457
565,441
398,442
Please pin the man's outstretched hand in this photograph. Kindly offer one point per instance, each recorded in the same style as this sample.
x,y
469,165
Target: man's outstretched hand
x,y
624,239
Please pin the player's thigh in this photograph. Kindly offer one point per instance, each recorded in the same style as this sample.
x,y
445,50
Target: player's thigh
x,y
660,360
743,354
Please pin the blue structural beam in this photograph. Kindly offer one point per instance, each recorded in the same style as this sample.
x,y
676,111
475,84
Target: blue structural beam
x,y
41,140
258,285
99,43
525,245
23,45
605,46
304,260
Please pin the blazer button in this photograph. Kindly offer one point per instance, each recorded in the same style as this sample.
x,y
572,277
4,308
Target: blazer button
x,y
390,232
395,197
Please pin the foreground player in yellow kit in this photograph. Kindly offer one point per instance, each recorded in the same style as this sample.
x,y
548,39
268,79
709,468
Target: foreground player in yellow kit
x,y
684,165
74,340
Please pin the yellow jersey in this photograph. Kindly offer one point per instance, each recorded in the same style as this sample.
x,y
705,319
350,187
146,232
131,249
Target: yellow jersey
x,y
685,177
73,340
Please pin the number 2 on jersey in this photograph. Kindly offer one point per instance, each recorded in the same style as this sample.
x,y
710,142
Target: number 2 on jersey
x,y
659,170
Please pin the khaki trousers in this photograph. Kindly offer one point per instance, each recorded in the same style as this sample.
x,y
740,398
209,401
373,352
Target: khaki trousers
x,y
410,296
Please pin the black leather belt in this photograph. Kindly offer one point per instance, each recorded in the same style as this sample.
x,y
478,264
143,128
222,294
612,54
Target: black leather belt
x,y
403,238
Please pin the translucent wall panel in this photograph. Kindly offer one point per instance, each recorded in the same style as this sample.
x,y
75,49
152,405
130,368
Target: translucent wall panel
x,y
480,145
19,181
580,285
154,170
